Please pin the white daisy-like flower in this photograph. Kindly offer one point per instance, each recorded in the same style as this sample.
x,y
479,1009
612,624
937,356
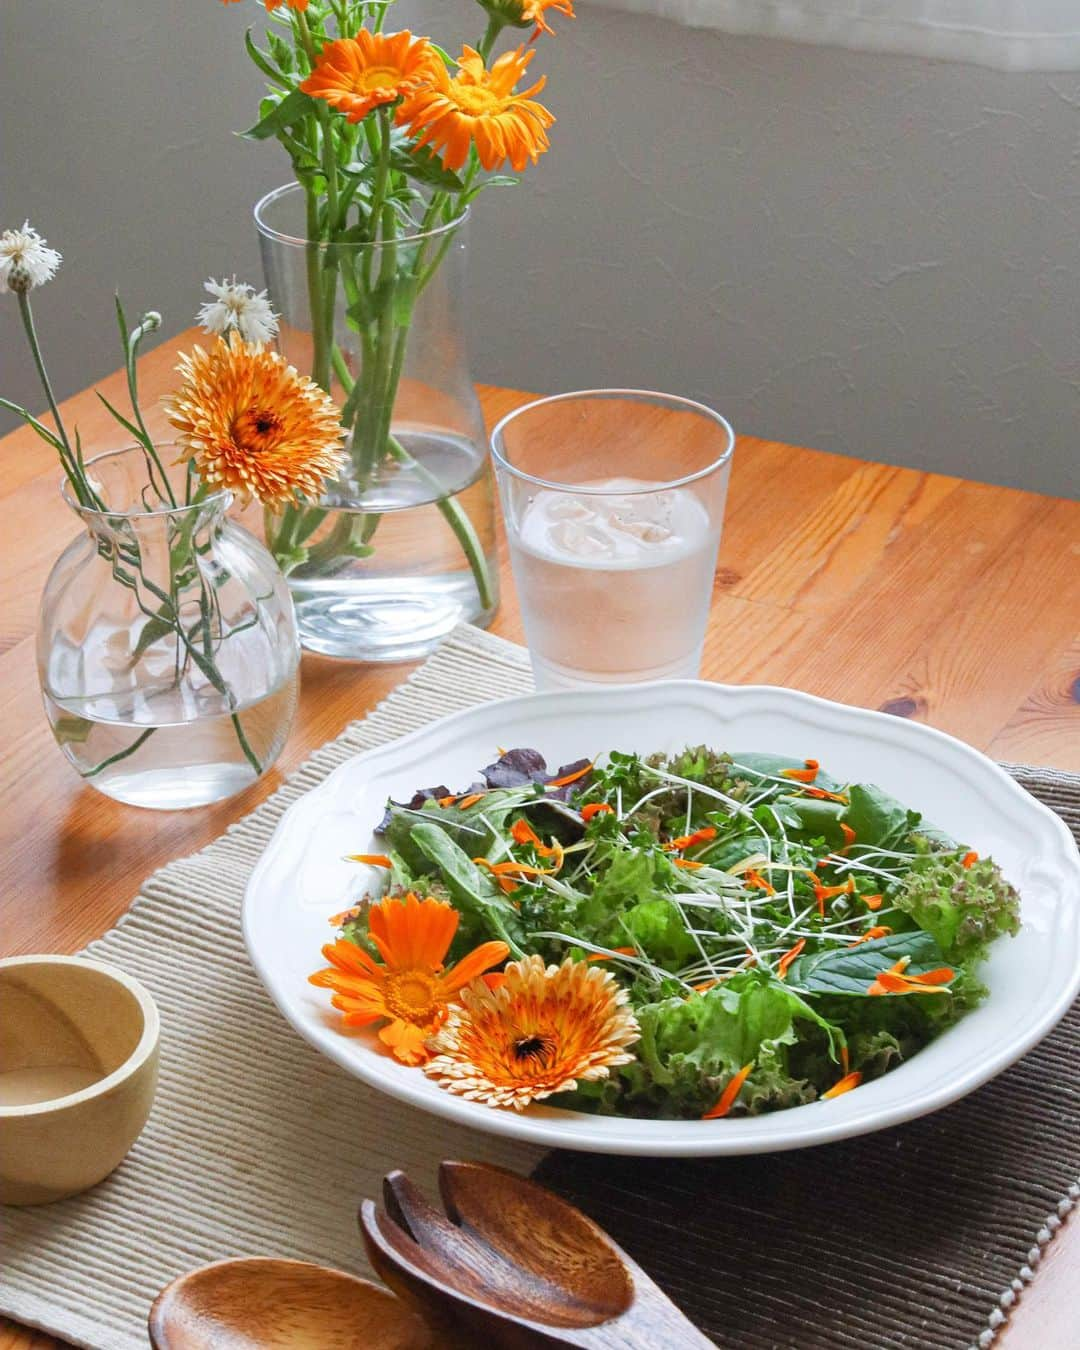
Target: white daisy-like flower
x,y
26,260
236,305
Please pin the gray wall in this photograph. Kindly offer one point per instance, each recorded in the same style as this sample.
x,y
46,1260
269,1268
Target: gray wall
x,y
870,254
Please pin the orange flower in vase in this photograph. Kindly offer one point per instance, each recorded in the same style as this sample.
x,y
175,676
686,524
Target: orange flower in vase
x,y
253,424
271,5
480,107
411,990
357,75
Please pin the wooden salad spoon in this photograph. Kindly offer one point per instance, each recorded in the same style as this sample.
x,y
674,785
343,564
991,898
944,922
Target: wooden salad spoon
x,y
258,1303
516,1265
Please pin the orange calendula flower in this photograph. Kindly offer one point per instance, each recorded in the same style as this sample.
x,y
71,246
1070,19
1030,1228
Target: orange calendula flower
x,y
480,107
411,991
543,1030
533,11
271,5
524,13
357,75
254,424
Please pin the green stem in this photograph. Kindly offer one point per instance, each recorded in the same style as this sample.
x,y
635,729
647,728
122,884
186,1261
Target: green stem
x,y
35,348
491,35
137,335
456,517
252,758
63,446
120,754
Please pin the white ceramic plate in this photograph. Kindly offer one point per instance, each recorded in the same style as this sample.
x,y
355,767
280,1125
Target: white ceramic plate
x,y
301,880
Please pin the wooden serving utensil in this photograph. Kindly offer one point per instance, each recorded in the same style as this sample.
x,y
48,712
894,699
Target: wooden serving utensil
x,y
517,1265
257,1303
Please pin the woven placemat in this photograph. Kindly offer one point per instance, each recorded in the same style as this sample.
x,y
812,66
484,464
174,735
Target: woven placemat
x,y
258,1145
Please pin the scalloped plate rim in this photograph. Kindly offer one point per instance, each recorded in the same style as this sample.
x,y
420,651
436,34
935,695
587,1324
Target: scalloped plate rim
x,y
818,1123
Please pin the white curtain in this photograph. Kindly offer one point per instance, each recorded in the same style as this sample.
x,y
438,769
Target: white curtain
x,y
1006,34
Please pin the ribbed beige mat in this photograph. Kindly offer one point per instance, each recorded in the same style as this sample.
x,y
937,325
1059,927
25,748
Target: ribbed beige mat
x,y
256,1143
918,1237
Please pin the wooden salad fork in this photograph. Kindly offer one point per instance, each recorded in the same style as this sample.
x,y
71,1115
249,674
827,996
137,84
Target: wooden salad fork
x,y
513,1262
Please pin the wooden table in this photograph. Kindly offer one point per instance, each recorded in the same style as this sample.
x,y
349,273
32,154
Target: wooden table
x,y
951,602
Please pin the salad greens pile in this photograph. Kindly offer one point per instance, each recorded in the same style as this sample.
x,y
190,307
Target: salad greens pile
x,y
759,913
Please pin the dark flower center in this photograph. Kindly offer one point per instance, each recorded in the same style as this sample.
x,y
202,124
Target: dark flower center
x,y
533,1047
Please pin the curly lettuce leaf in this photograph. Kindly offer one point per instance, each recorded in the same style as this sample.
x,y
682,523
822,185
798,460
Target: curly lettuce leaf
x,y
963,908
690,1047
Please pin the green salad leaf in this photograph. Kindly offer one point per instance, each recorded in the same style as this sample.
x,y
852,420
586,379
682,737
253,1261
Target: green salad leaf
x,y
852,970
747,903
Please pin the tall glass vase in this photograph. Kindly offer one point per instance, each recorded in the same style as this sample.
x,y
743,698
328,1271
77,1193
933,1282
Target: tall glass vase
x,y
401,548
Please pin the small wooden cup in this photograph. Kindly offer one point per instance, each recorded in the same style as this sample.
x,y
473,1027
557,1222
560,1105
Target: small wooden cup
x,y
78,1068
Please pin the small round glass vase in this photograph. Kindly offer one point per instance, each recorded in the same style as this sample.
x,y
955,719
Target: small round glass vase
x,y
167,646
401,548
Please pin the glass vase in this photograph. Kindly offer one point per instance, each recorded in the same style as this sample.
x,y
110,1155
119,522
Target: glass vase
x,y
401,548
167,645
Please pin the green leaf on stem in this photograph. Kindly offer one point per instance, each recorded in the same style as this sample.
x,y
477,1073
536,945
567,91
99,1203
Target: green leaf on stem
x,y
281,51
263,61
421,164
279,114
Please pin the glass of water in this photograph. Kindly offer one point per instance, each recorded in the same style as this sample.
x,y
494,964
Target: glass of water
x,y
613,501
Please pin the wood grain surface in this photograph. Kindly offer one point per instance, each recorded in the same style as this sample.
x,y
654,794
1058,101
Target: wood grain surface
x,y
947,601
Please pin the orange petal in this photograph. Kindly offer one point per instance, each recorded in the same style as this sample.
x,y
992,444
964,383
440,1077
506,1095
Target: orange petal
x,y
787,958
481,958
413,934
596,809
942,975
871,901
727,1097
353,960
336,920
523,833
849,1081
570,777
470,800
406,1041
603,956
849,835
969,859
701,836
372,859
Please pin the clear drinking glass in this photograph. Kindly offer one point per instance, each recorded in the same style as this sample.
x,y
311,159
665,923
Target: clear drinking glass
x,y
614,501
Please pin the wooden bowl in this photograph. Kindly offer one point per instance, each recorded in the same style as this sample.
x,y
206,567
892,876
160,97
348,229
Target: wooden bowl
x,y
78,1068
